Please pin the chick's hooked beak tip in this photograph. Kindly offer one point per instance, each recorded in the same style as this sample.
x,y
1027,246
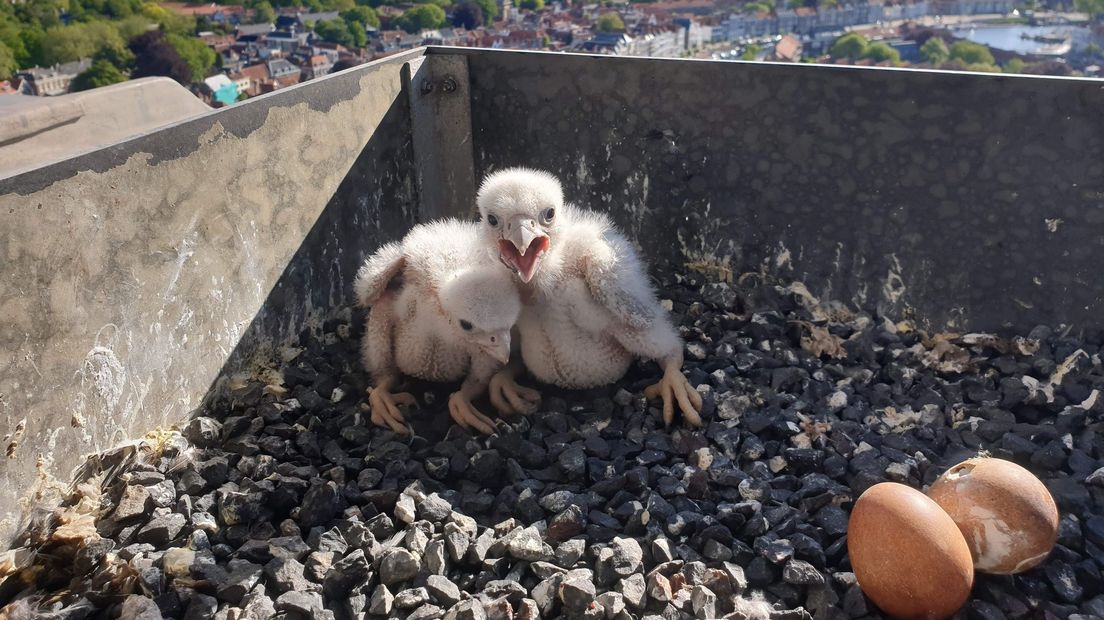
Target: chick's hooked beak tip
x,y
522,248
499,348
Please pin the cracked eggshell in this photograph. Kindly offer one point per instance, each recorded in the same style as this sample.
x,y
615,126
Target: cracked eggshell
x,y
907,554
1006,514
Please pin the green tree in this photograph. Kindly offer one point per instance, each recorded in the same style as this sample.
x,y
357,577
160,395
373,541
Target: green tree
x,y
32,39
1014,66
69,43
981,67
101,73
972,53
881,52
12,36
119,56
195,52
1095,8
490,10
422,17
363,14
7,62
334,31
120,8
357,33
850,45
134,26
263,13
169,21
610,22
532,5
756,7
751,53
935,51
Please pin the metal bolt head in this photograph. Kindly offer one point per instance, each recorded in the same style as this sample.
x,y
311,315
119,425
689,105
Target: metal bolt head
x,y
448,84
427,87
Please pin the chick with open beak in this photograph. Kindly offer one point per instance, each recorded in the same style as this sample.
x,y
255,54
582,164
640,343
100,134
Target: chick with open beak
x,y
589,308
523,242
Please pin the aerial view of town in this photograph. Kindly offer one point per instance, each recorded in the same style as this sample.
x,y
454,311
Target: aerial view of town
x,y
225,52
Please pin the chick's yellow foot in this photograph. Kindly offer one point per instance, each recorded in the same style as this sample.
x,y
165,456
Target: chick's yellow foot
x,y
467,416
385,409
509,397
672,388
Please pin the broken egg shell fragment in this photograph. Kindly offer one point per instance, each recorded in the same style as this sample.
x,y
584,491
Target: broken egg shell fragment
x,y
1006,514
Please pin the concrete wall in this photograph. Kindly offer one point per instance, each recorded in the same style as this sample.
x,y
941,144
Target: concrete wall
x,y
131,275
962,200
35,131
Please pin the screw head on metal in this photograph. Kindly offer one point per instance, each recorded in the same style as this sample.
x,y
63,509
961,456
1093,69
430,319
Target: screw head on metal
x,y
427,87
448,84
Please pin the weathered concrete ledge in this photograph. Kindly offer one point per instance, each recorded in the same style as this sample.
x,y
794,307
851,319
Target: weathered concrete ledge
x,y
131,274
35,131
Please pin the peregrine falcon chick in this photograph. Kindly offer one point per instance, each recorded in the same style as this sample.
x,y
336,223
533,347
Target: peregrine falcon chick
x,y
441,310
588,308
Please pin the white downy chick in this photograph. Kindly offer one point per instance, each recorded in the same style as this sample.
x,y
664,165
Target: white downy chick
x,y
441,310
589,307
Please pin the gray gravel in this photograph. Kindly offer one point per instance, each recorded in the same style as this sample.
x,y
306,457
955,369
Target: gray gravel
x,y
282,500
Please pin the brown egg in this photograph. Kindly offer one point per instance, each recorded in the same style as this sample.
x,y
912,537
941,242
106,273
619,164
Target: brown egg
x,y
907,554
1006,514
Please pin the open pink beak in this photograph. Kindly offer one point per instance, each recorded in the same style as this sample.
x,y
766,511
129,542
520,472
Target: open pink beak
x,y
523,261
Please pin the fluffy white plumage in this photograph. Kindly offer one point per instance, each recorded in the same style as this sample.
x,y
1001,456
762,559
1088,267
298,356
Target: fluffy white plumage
x,y
589,306
441,310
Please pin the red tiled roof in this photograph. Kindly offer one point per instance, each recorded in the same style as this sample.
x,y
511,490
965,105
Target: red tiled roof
x,y
676,6
787,48
205,9
258,72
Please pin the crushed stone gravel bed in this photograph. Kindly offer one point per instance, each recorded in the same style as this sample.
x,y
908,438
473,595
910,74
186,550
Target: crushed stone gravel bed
x,y
282,500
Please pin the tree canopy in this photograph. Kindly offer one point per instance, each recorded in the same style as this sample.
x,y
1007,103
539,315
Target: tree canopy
x,y
422,17
195,52
935,51
7,62
532,5
366,15
610,22
981,67
263,13
971,53
154,55
101,73
881,52
1095,8
342,32
467,15
1014,65
82,40
850,45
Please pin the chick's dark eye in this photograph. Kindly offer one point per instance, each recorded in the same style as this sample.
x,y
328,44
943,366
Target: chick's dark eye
x,y
492,220
548,214
464,325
